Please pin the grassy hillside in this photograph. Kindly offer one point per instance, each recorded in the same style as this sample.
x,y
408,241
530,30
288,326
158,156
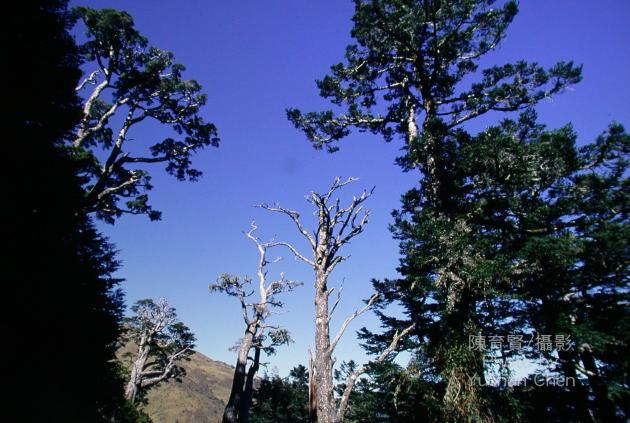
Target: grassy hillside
x,y
199,398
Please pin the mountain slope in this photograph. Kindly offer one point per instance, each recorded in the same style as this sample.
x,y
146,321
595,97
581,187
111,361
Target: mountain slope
x,y
199,398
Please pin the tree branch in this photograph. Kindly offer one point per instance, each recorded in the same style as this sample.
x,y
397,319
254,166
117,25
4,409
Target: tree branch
x,y
352,378
295,217
349,319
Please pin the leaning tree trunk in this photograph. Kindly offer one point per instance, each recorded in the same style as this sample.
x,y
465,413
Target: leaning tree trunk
x,y
135,380
248,392
230,415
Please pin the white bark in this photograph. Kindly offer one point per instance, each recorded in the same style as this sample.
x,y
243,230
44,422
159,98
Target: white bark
x,y
255,316
336,226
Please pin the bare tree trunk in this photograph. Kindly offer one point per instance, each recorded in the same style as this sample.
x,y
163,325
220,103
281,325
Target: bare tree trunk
x,y
312,390
230,415
254,316
323,360
336,226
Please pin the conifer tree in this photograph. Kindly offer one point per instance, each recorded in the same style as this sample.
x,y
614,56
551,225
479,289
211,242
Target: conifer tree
x,y
57,268
128,83
260,335
406,76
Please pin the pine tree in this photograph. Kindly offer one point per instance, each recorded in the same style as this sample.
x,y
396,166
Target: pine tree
x,y
406,76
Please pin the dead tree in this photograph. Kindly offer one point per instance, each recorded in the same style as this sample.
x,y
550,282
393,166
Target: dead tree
x,y
259,335
162,343
336,226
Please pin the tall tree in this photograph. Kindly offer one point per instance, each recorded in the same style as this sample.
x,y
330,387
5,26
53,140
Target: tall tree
x,y
130,82
162,342
407,75
56,267
336,226
260,334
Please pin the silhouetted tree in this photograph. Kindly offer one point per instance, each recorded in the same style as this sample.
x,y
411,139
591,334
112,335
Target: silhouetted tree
x,y
57,269
129,82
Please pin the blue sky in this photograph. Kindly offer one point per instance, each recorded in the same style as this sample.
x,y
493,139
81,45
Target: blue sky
x,y
254,59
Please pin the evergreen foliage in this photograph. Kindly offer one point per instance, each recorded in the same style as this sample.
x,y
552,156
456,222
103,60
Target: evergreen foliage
x,y
57,268
508,229
282,400
132,81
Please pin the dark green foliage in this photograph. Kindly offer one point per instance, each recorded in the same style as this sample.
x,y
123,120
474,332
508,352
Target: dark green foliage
x,y
278,400
394,395
578,264
410,60
128,78
57,269
537,235
513,230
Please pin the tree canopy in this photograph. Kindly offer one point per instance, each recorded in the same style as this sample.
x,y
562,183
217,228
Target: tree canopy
x,y
129,81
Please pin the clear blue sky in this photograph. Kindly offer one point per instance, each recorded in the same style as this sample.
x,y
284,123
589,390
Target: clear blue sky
x,y
254,59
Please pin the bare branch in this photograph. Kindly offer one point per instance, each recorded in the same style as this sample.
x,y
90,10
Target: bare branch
x,y
262,261
167,370
352,378
295,216
84,131
87,107
88,80
349,319
295,252
336,303
110,190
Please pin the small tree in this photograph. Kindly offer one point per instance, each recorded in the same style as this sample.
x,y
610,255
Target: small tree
x,y
162,343
132,82
259,334
336,226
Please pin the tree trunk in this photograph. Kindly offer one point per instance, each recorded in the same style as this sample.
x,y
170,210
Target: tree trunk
x,y
246,401
312,391
605,408
135,380
579,393
230,415
323,359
